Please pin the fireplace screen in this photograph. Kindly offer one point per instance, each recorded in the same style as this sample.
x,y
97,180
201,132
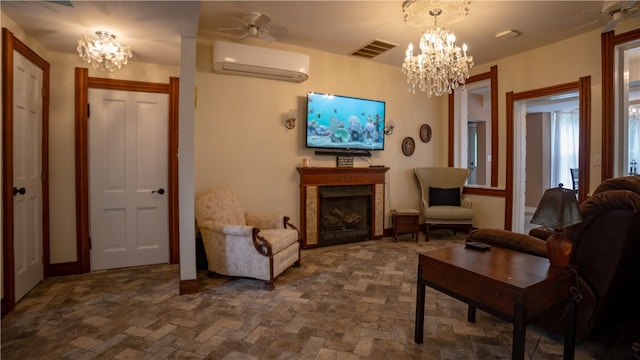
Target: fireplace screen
x,y
345,214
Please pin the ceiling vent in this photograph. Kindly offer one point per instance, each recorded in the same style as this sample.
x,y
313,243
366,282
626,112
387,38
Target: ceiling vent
x,y
374,48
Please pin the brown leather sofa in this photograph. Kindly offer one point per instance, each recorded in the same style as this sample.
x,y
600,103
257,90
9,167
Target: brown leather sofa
x,y
606,254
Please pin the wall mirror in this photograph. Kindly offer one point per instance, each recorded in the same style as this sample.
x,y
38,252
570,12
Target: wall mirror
x,y
473,129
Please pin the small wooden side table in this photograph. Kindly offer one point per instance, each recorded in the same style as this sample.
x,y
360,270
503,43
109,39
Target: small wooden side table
x,y
405,221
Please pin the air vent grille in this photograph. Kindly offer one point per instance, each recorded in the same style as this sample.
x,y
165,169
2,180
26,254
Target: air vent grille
x,y
373,49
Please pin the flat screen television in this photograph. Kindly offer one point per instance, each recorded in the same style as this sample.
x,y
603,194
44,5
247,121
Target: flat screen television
x,y
344,125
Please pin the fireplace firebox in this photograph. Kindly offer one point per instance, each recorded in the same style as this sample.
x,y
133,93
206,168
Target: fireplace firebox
x,y
341,205
345,214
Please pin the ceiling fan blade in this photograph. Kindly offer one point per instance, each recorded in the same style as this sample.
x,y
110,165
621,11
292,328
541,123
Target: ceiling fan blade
x,y
266,36
585,25
63,3
231,29
276,30
262,20
610,25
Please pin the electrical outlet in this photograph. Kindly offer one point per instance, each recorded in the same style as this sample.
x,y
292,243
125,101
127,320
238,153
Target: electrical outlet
x,y
597,160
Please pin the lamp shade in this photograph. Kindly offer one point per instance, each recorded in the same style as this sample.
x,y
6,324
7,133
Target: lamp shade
x,y
558,209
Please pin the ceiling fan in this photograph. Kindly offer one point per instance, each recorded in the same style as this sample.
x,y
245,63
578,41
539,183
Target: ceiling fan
x,y
257,25
613,12
618,11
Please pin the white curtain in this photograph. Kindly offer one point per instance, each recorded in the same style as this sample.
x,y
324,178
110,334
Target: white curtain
x,y
565,132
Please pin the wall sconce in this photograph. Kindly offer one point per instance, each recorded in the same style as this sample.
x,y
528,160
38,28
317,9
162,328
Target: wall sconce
x,y
388,130
290,119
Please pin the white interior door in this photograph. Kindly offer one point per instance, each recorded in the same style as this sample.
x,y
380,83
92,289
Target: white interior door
x,y
128,139
27,174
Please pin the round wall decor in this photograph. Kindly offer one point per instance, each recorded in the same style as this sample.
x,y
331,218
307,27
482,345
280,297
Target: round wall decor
x,y
425,133
408,146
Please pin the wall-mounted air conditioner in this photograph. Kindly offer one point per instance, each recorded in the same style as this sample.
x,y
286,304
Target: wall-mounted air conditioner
x,y
246,60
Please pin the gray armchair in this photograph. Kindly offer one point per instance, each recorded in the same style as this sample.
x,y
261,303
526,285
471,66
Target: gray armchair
x,y
441,202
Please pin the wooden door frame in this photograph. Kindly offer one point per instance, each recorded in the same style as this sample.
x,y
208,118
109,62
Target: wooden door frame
x,y
583,85
83,83
9,44
608,43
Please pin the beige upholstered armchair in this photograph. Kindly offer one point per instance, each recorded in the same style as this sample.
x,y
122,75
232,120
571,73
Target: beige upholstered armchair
x,y
441,202
245,244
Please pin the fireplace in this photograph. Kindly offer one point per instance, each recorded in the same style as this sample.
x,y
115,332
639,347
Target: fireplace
x,y
345,214
341,205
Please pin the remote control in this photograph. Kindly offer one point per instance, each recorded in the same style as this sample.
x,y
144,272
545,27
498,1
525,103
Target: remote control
x,y
477,246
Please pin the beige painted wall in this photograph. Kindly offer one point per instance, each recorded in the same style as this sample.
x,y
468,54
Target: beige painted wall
x,y
241,143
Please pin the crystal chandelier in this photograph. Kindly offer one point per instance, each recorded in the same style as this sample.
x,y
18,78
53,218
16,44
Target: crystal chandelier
x,y
441,66
103,52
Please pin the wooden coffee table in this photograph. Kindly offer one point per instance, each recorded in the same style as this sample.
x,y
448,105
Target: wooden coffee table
x,y
511,285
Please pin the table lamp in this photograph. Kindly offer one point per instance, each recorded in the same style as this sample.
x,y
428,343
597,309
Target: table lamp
x,y
557,210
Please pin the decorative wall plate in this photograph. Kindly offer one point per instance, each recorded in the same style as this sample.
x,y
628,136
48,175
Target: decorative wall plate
x,y
408,146
425,133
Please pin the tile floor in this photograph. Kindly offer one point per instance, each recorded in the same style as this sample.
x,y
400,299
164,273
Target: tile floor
x,y
354,301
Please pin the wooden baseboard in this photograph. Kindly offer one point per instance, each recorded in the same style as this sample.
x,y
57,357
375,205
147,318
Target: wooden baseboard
x,y
189,287
62,269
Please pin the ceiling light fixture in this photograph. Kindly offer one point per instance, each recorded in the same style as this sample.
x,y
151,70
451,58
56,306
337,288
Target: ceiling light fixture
x,y
441,66
508,34
103,52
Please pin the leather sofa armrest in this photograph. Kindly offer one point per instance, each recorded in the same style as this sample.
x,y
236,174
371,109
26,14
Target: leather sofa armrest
x,y
541,233
511,240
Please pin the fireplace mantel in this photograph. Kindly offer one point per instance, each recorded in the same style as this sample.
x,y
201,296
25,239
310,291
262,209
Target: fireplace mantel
x,y
311,178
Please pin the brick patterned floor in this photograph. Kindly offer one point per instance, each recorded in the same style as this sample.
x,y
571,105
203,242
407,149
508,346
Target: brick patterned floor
x,y
354,301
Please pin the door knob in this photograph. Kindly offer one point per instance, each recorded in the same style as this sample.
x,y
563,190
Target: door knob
x,y
20,191
159,191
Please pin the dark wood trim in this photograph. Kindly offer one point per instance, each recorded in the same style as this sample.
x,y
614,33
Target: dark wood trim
x,y
608,42
608,95
495,152
484,191
63,269
9,44
82,168
189,287
128,85
83,83
174,216
583,86
508,201
452,128
584,142
8,264
491,75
